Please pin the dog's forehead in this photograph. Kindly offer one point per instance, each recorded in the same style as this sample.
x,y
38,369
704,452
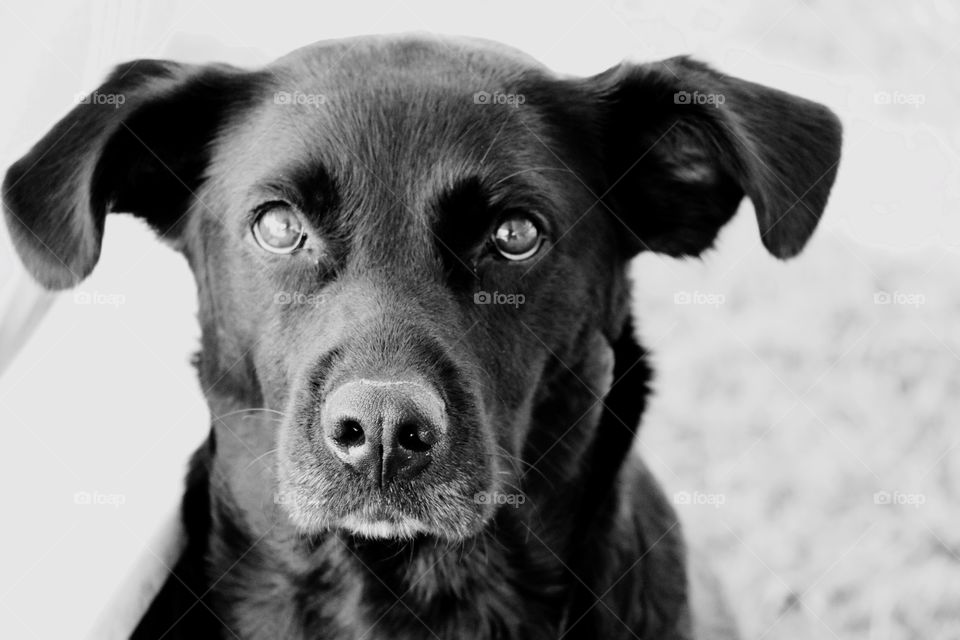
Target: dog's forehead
x,y
401,96
424,56
403,117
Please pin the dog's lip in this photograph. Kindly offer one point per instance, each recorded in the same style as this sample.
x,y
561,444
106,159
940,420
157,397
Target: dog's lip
x,y
385,528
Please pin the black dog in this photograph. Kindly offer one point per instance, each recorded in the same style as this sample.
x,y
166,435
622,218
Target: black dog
x,y
411,260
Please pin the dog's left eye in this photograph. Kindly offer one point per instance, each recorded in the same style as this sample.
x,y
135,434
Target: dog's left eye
x,y
279,229
517,238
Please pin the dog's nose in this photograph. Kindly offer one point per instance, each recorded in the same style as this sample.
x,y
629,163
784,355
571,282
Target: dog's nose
x,y
384,429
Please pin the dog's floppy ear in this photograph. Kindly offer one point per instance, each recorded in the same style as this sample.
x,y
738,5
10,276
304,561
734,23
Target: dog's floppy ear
x,y
682,144
137,144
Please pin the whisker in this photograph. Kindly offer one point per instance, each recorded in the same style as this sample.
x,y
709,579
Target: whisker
x,y
249,410
262,455
520,462
529,169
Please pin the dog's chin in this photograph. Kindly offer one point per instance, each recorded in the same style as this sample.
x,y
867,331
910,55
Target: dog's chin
x,y
394,529
315,517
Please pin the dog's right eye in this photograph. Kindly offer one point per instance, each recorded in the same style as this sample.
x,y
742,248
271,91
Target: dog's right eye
x,y
517,238
278,228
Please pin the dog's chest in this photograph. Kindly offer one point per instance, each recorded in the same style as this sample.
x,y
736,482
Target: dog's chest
x,y
450,598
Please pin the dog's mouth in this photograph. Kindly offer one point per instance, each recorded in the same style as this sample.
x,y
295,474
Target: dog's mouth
x,y
394,451
445,499
316,505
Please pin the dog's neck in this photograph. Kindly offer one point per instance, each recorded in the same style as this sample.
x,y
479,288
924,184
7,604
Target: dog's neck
x,y
514,580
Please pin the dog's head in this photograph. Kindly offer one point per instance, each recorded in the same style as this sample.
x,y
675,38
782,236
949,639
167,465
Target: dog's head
x,y
403,247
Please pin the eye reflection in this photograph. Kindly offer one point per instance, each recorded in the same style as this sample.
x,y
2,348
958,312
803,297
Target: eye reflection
x,y
517,238
279,230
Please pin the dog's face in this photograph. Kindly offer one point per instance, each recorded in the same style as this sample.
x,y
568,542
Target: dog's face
x,y
399,243
401,255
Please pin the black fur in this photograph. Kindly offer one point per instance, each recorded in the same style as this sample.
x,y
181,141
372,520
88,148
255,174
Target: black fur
x,y
400,176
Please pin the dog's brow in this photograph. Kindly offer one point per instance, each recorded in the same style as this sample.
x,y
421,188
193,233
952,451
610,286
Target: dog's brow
x,y
463,211
311,188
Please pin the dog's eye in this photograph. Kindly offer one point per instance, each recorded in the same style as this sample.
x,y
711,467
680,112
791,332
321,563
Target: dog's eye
x,y
517,238
279,229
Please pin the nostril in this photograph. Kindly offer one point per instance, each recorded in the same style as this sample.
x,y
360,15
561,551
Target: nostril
x,y
414,437
383,429
348,434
